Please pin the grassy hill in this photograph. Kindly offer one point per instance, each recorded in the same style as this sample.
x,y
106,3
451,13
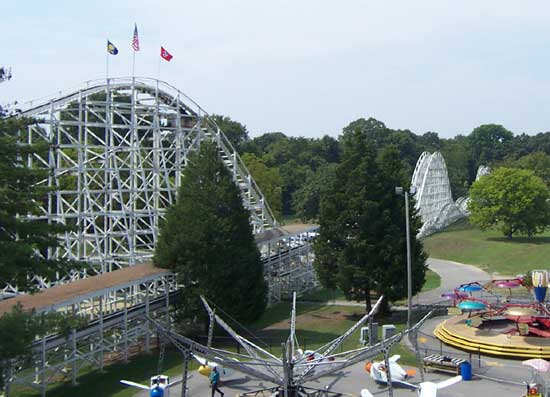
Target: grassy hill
x,y
490,250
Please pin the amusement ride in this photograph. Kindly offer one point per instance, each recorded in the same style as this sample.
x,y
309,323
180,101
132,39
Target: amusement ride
x,y
496,321
290,372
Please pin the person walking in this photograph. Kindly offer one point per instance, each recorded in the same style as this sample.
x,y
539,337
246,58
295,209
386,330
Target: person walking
x,y
214,381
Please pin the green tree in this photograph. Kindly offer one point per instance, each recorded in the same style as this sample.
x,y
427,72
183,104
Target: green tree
x,y
268,179
514,200
24,242
307,198
207,239
455,151
538,162
409,145
262,144
235,132
297,159
361,244
19,329
487,143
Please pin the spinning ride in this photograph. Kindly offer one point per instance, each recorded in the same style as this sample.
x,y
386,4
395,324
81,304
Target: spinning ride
x,y
500,325
289,373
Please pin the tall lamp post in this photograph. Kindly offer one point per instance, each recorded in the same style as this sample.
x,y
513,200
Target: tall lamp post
x,y
400,191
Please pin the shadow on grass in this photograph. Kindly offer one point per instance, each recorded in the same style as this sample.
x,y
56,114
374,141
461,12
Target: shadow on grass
x,y
521,240
281,312
107,383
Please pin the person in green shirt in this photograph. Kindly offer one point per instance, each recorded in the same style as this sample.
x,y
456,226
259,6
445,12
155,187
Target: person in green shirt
x,y
214,381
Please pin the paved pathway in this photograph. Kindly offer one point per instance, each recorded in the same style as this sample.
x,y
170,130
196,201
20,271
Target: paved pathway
x,y
452,275
349,382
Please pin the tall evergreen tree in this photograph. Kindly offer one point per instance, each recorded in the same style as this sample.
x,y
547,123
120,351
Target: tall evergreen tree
x,y
207,239
361,244
23,242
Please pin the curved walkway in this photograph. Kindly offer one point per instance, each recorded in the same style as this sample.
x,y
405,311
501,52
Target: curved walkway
x,y
452,274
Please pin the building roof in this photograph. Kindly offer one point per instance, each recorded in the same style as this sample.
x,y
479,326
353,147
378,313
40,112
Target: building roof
x,y
91,286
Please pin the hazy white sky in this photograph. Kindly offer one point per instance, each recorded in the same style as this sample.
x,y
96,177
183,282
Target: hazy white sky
x,y
303,67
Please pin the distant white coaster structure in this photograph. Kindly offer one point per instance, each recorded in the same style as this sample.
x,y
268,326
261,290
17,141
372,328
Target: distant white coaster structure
x,y
116,150
434,199
463,201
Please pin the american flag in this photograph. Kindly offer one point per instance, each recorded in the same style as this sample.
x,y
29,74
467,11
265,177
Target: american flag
x,y
135,39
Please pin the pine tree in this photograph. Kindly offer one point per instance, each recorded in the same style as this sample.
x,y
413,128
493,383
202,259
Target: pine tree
x,y
23,242
361,244
207,239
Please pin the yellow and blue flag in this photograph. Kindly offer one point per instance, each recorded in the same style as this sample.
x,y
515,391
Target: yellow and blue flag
x,y
111,49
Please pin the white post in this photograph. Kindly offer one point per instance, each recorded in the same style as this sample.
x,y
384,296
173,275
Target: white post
x,y
125,326
409,271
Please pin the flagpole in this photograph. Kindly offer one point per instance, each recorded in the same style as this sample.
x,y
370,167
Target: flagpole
x,y
158,71
107,66
133,63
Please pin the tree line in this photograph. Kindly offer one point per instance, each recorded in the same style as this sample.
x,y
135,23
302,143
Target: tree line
x,y
293,172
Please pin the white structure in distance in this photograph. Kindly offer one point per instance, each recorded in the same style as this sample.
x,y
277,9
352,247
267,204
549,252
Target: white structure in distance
x,y
434,199
463,201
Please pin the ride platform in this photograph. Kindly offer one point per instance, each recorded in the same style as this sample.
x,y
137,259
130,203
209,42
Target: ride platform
x,y
456,332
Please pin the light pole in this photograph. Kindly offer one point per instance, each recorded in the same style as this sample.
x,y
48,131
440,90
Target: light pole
x,y
400,191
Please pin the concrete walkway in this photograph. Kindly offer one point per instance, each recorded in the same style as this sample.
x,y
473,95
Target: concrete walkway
x,y
452,275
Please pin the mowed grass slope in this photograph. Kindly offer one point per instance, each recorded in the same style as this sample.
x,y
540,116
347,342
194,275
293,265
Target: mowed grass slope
x,y
489,249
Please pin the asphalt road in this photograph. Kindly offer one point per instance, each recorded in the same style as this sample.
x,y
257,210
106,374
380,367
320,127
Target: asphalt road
x,y
350,382
452,275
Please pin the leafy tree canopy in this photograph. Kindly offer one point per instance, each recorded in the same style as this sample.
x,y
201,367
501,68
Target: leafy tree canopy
x,y
207,239
235,132
514,200
487,143
538,162
19,328
297,159
307,198
268,179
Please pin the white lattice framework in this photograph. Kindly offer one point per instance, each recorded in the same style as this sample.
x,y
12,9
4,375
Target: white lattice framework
x,y
116,150
434,199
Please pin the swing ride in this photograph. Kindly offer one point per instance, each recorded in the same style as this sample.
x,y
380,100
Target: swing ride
x,y
290,372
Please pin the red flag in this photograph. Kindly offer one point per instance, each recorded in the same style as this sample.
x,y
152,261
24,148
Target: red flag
x,y
165,54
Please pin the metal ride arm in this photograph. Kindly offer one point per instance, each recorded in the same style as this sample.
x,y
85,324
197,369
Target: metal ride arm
x,y
292,342
246,344
332,346
185,344
355,356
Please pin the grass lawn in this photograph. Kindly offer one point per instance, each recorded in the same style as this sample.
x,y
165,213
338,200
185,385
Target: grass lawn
x,y
106,384
490,250
433,281
326,295
317,324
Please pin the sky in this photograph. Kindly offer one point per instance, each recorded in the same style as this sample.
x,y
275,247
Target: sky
x,y
302,67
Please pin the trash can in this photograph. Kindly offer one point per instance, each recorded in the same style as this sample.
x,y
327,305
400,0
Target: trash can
x,y
466,371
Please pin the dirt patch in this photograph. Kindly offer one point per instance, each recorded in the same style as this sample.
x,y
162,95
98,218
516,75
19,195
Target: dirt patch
x,y
303,320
